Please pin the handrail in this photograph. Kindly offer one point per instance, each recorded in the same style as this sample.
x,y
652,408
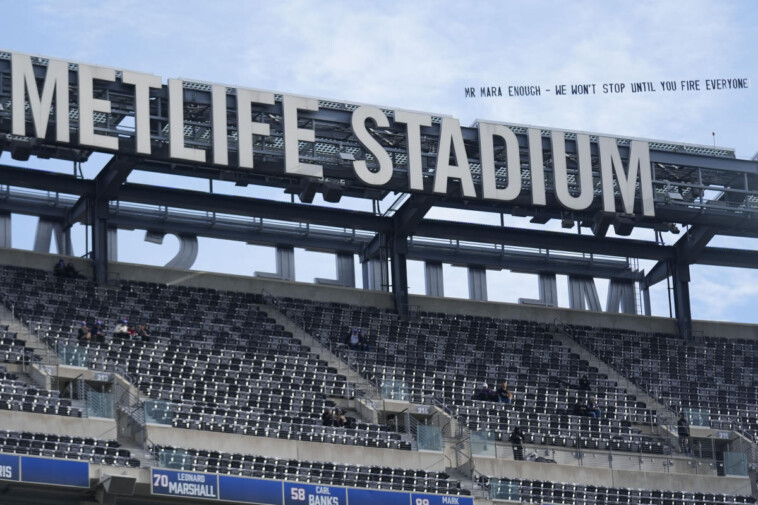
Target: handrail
x,y
668,417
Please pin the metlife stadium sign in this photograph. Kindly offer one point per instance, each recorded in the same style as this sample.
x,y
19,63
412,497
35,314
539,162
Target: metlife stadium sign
x,y
47,89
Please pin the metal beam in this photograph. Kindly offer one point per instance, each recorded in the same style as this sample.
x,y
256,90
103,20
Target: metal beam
x,y
404,222
44,180
689,247
524,262
107,183
624,248
254,207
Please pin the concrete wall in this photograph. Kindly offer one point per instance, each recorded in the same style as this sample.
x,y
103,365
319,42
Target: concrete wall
x,y
293,449
60,425
631,479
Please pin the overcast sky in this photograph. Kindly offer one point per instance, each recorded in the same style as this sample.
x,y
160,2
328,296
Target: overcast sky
x,y
422,55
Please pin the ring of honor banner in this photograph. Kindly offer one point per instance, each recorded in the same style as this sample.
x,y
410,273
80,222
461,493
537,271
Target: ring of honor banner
x,y
273,492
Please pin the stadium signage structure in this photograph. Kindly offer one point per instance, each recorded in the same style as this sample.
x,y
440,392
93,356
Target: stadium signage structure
x,y
276,492
451,144
40,470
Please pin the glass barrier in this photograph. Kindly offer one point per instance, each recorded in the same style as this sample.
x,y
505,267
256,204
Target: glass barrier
x,y
72,355
158,412
483,443
429,438
698,417
175,458
99,404
735,464
395,390
502,489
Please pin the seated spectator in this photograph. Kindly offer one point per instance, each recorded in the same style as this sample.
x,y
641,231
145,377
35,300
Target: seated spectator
x,y
121,330
59,270
517,439
143,333
503,394
593,409
485,394
584,383
98,333
84,332
580,409
354,340
338,417
326,418
71,272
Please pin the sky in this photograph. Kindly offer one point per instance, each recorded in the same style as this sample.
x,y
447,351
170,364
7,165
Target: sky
x,y
422,55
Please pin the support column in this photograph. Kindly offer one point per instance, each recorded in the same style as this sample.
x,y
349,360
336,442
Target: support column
x,y
681,280
5,230
433,279
113,244
399,250
477,283
346,269
645,298
583,294
621,298
99,220
548,289
375,275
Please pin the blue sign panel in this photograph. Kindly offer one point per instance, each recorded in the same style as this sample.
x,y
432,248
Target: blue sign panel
x,y
377,497
60,472
311,494
186,484
241,489
433,499
9,466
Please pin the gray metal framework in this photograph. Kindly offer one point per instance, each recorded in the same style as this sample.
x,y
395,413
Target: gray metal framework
x,y
707,190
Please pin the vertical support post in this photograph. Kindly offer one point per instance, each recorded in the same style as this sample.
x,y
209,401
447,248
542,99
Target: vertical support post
x,y
99,220
477,283
399,251
548,289
681,280
375,274
5,230
645,298
285,263
433,279
112,244
346,269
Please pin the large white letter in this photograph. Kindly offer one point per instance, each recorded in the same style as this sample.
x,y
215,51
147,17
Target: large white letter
x,y
358,122
56,80
536,166
293,135
639,160
177,148
246,126
414,121
560,172
219,125
490,191
450,137
88,105
142,84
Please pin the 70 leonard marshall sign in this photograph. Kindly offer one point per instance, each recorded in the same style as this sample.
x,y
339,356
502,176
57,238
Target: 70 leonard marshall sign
x,y
56,83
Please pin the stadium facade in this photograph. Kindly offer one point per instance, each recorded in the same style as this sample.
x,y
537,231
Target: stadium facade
x,y
223,401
